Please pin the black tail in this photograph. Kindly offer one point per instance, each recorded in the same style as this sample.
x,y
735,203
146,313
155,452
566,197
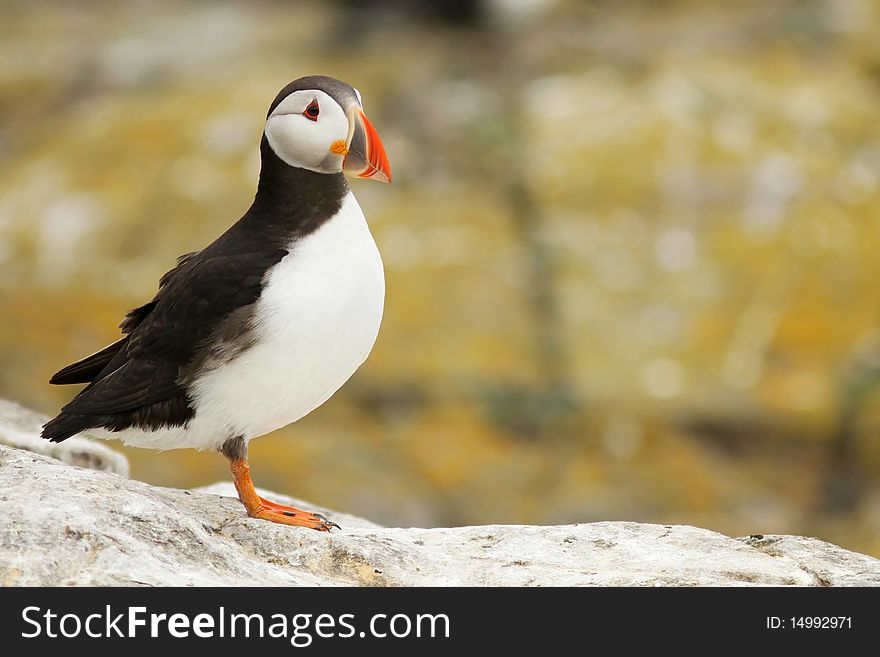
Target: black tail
x,y
65,425
85,370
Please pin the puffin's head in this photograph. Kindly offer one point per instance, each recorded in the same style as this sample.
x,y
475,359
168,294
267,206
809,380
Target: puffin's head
x,y
318,123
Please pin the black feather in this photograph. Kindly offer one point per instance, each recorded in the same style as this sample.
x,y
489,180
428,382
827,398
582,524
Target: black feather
x,y
85,370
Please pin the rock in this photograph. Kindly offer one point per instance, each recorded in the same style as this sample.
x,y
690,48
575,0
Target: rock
x,y
20,427
83,527
815,558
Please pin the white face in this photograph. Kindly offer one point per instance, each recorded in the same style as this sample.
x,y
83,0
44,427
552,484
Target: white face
x,y
303,140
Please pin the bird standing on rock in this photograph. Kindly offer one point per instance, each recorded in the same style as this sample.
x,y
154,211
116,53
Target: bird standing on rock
x,y
262,326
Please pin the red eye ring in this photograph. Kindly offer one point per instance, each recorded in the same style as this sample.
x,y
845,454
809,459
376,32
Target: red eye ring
x,y
312,110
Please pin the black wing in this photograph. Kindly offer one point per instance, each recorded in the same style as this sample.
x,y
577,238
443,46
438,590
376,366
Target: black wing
x,y
139,381
88,368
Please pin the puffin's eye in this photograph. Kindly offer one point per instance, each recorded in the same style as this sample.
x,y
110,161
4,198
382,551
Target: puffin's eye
x,y
311,112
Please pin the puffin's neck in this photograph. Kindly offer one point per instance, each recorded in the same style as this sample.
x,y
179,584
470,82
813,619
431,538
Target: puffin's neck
x,y
295,200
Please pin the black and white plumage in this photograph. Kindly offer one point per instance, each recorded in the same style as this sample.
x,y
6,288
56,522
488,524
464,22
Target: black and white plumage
x,y
267,322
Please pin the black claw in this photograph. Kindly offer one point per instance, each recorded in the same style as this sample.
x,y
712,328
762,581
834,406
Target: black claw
x,y
326,524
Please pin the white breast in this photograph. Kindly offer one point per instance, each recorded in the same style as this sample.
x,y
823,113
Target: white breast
x,y
315,324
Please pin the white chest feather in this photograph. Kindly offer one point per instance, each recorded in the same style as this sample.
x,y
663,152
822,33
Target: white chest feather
x,y
314,325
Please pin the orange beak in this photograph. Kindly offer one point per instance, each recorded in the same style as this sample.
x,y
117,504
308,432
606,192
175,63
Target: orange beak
x,y
366,156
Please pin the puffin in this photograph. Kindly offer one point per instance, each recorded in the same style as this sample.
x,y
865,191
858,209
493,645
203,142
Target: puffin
x,y
264,324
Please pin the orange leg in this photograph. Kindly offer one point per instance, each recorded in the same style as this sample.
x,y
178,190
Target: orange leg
x,y
257,507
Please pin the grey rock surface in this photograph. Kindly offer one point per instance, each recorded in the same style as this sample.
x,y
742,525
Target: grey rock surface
x,y
20,427
64,525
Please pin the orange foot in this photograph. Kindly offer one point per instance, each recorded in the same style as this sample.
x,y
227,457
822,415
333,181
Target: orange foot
x,y
290,515
258,507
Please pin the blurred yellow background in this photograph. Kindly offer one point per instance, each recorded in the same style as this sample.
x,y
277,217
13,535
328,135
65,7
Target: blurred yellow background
x,y
631,247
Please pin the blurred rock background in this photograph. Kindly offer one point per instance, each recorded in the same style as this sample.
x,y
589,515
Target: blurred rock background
x,y
631,247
